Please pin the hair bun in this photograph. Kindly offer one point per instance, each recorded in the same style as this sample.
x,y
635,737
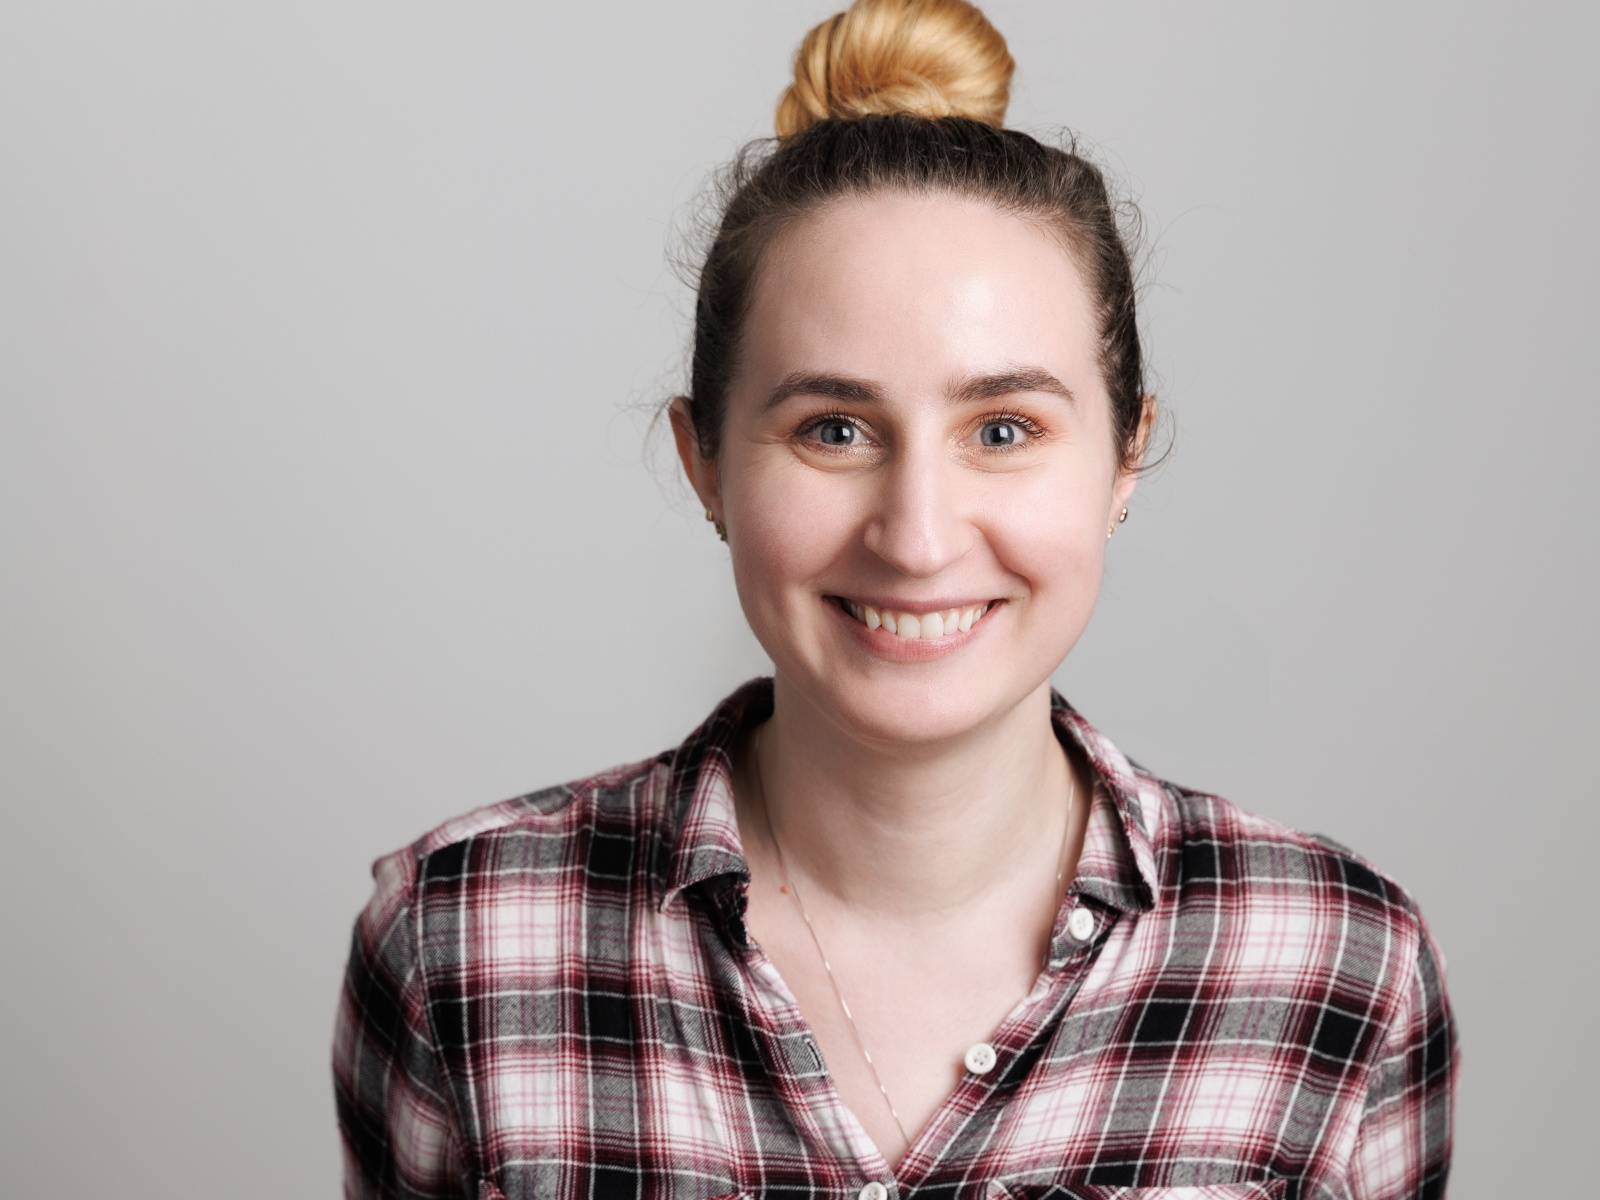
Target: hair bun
x,y
928,58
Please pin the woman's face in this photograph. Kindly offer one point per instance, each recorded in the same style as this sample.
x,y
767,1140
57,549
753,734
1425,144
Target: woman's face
x,y
917,468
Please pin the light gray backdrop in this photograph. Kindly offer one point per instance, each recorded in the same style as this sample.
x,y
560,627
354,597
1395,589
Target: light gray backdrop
x,y
323,515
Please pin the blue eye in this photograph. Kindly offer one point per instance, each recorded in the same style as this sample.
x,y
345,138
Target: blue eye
x,y
837,433
1000,433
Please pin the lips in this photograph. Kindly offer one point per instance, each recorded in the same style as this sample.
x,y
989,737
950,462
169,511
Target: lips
x,y
917,626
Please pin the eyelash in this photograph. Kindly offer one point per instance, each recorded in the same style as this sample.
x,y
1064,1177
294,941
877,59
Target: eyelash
x,y
1026,423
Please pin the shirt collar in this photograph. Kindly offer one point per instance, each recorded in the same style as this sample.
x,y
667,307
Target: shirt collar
x,y
1118,863
1117,867
703,830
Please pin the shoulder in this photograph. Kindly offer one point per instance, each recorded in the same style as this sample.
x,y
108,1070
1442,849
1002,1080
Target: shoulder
x,y
1304,888
619,803
1214,839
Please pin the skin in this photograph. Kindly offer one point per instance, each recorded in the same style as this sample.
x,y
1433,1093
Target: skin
x,y
919,423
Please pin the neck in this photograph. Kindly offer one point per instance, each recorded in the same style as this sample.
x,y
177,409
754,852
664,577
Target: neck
x,y
911,834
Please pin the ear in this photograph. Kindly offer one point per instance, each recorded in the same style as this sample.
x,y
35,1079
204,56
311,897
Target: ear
x,y
701,472
1127,480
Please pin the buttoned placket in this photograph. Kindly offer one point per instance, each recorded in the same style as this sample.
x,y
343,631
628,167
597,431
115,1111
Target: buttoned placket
x,y
1017,1047
802,1081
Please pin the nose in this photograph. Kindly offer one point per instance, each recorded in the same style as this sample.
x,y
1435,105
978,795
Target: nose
x,y
919,525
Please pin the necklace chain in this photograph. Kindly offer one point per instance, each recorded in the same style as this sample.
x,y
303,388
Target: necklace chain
x,y
833,980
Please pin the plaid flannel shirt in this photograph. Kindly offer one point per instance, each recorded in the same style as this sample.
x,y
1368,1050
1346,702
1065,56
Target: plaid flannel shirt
x,y
556,997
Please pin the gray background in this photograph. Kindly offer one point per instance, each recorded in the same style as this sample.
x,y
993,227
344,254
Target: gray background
x,y
325,331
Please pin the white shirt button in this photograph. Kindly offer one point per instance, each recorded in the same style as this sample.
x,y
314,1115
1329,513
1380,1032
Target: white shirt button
x,y
980,1058
1081,924
873,1191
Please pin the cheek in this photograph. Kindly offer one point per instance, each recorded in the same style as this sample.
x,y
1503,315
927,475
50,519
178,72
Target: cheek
x,y
790,526
1054,538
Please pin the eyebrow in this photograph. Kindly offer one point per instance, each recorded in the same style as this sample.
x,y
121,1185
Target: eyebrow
x,y
1008,383
979,387
834,387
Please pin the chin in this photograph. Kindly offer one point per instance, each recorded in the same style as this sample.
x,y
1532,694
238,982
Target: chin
x,y
904,714
914,704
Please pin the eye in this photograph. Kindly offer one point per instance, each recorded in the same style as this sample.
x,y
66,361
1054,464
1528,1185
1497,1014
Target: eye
x,y
1001,434
834,432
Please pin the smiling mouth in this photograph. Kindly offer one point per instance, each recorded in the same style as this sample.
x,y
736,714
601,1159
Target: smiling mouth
x,y
909,626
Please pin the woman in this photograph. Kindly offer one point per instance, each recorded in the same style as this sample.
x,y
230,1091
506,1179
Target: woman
x,y
897,921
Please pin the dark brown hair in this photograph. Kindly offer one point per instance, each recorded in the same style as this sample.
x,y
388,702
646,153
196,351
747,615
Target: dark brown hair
x,y
772,184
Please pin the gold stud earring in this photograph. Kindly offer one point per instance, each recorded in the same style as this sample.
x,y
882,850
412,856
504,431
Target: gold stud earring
x,y
1123,517
722,530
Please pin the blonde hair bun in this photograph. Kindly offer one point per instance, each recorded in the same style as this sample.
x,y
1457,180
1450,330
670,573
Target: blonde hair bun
x,y
927,58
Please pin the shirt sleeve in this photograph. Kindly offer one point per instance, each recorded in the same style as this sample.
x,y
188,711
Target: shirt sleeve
x,y
1402,1149
400,1138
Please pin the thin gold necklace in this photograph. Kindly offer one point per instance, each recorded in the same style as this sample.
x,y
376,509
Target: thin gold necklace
x,y
833,980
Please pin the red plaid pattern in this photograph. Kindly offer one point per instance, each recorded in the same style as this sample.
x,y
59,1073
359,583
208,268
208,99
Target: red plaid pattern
x,y
555,997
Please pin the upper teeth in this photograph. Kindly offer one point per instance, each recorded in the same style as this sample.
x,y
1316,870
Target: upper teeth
x,y
917,625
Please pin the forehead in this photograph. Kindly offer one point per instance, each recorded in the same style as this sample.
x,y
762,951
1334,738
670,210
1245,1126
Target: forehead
x,y
896,283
